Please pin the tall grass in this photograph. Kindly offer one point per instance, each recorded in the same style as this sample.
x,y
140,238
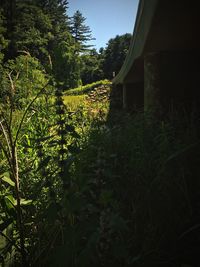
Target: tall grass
x,y
73,102
87,88
122,192
143,177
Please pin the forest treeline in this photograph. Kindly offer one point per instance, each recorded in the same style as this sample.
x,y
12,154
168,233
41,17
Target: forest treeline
x,y
56,43
51,206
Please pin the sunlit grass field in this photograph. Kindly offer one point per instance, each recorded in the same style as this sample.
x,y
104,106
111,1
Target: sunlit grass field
x,y
74,101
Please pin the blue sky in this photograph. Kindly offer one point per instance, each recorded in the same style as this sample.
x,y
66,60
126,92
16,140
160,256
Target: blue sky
x,y
106,18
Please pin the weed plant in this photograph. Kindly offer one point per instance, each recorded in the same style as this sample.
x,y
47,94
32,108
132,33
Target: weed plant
x,y
93,191
143,185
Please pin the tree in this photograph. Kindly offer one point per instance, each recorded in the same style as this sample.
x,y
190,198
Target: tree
x,y
21,79
80,32
42,28
27,28
61,46
32,31
114,54
66,63
8,12
91,67
57,12
3,41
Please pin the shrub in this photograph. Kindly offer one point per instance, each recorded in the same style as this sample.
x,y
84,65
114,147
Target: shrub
x,y
142,189
86,88
22,79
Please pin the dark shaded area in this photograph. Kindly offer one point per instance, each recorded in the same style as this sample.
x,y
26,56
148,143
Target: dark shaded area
x,y
158,183
161,78
164,56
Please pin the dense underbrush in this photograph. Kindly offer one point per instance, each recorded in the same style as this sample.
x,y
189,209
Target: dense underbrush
x,y
81,188
144,191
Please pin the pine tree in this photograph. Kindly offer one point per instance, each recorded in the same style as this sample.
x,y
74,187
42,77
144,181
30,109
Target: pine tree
x,y
81,32
61,47
3,41
32,31
57,11
27,28
9,14
41,28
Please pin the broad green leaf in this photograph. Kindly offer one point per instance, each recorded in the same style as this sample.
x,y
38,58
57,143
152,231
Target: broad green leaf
x,y
26,202
10,201
28,140
7,179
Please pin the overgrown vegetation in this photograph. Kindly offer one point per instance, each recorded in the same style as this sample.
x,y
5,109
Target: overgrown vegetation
x,y
144,178
82,184
62,45
38,151
87,88
78,189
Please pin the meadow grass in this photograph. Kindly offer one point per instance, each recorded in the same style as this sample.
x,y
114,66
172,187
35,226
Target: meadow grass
x,y
87,88
74,101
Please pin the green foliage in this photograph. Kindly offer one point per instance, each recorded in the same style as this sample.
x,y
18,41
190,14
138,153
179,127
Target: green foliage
x,y
28,136
85,89
41,28
66,63
80,186
57,11
140,178
73,102
61,44
22,79
32,31
48,138
11,201
3,41
80,32
91,70
95,192
115,53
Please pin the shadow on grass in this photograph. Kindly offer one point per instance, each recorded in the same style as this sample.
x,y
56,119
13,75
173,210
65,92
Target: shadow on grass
x,y
137,193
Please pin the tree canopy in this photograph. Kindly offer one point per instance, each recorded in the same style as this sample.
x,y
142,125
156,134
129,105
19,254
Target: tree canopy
x,y
62,44
114,54
81,32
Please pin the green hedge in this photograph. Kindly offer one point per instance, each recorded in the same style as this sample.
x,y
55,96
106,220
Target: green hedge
x,y
86,88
